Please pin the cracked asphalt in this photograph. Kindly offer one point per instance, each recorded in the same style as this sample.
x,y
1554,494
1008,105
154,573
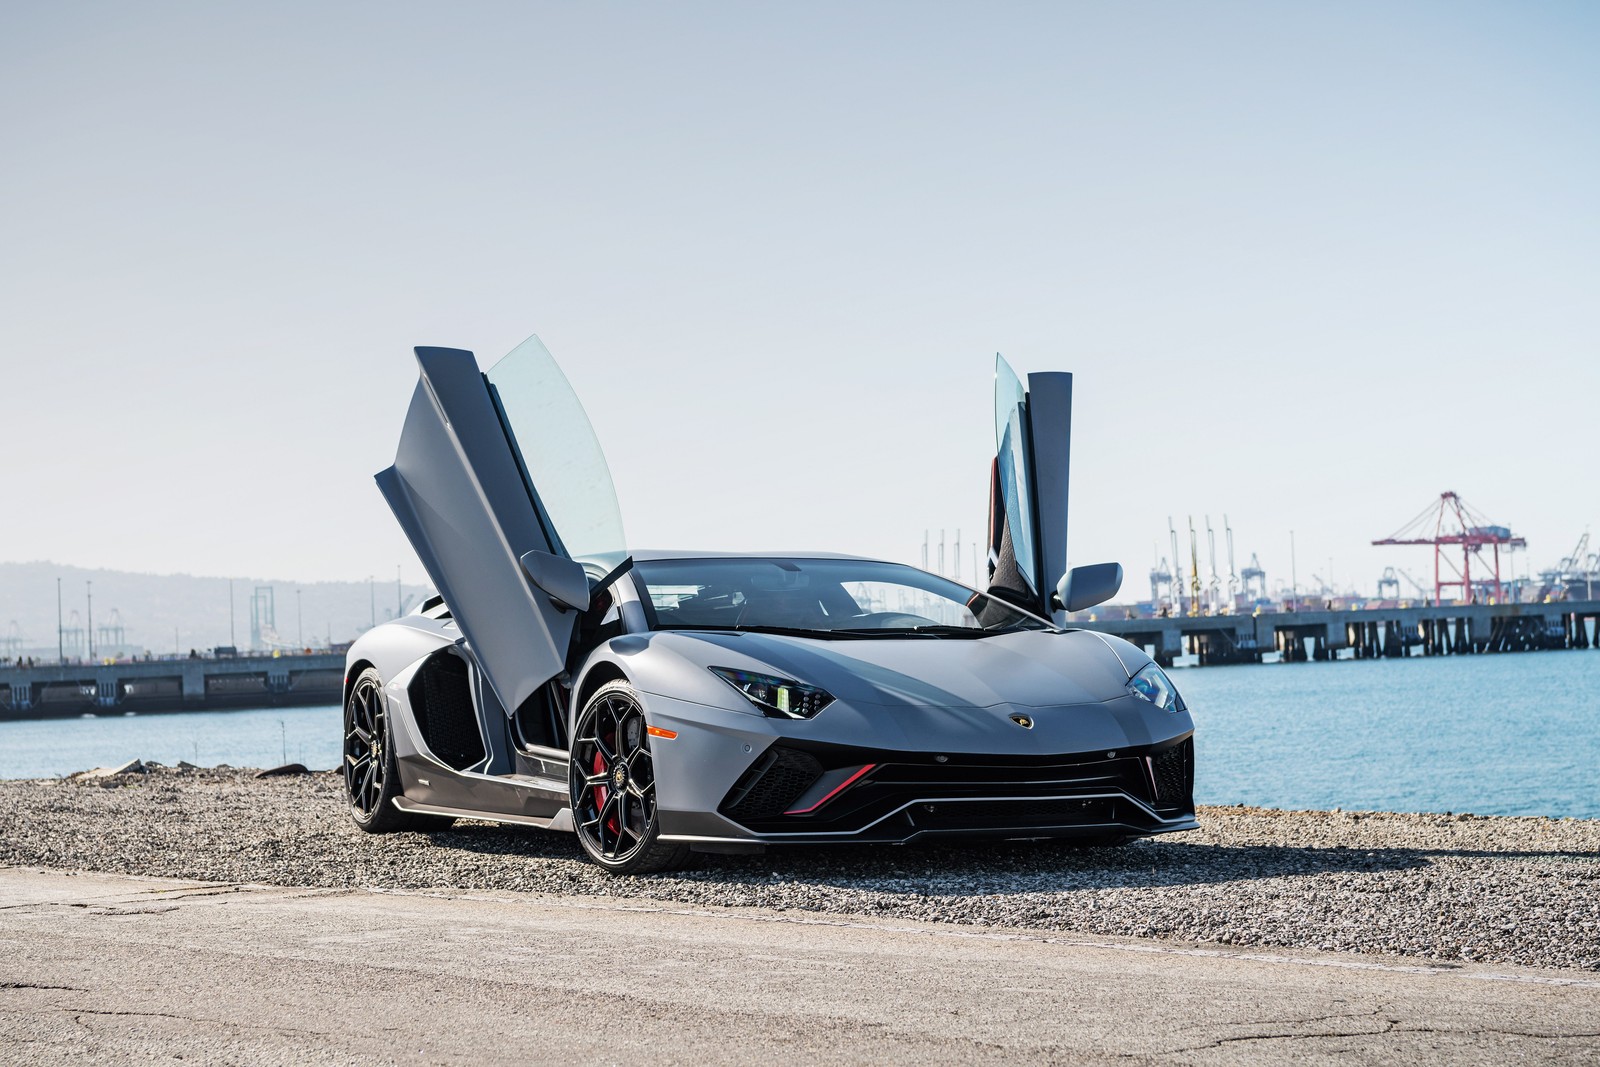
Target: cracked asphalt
x,y
115,968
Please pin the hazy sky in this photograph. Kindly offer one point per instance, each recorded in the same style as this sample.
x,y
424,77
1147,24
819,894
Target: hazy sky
x,y
1311,264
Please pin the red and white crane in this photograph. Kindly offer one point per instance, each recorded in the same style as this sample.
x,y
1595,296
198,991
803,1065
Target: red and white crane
x,y
1448,524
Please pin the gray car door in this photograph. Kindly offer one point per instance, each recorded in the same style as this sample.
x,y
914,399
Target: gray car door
x,y
1028,486
466,490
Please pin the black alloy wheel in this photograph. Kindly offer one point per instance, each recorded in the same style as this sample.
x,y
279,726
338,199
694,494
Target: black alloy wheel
x,y
613,783
371,779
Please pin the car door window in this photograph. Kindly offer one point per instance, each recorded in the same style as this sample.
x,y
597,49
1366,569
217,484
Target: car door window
x,y
560,456
1016,473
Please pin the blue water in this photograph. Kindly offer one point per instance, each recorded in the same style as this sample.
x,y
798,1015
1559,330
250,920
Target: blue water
x,y
43,748
1494,735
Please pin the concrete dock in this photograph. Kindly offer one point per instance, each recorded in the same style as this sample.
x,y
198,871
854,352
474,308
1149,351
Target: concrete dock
x,y
1366,633
195,684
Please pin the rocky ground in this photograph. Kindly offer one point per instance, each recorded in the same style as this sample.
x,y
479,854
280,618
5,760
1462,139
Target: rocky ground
x,y
1441,887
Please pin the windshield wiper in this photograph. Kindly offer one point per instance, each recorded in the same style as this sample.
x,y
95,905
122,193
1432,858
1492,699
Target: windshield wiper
x,y
931,630
781,631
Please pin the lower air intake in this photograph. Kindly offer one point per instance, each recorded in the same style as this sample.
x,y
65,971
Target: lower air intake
x,y
769,787
1013,814
1174,774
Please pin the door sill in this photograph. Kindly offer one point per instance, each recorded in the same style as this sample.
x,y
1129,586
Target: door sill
x,y
561,820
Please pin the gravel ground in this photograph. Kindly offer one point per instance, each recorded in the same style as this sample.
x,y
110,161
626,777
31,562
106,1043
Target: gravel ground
x,y
1442,887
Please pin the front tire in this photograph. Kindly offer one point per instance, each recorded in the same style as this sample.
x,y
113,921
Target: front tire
x,y
613,785
371,778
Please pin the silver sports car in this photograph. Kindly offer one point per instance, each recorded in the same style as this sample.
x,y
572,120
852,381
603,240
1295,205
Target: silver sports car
x,y
662,703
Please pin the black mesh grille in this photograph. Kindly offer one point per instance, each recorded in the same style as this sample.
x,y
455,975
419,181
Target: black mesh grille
x,y
441,700
1020,814
1174,773
772,785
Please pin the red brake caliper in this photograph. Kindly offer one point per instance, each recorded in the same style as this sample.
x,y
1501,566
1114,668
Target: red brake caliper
x,y
601,792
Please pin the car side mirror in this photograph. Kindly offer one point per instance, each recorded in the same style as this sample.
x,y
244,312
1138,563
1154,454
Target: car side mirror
x,y
1084,587
562,580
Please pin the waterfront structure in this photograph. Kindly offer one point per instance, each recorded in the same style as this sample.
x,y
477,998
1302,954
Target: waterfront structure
x,y
195,684
1365,633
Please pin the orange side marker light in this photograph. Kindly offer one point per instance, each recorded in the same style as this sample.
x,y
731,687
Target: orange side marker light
x,y
656,731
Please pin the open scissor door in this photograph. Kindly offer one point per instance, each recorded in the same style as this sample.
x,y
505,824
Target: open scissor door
x,y
499,481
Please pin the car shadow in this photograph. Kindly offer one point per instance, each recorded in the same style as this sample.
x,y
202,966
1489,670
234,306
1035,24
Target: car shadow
x,y
1039,867
980,868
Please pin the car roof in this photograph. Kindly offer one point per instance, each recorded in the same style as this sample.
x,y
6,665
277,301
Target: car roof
x,y
647,555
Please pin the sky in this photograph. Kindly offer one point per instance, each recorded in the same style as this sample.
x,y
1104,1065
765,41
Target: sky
x,y
1311,265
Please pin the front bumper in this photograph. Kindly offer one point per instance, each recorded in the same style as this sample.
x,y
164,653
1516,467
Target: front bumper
x,y
803,792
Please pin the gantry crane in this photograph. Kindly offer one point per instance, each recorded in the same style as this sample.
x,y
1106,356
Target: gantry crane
x,y
1160,579
1255,581
1448,524
1194,570
1389,582
1233,574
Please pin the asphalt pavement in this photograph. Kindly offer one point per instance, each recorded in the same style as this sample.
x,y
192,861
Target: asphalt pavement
x,y
104,967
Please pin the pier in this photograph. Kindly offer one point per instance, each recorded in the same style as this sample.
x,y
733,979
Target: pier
x,y
195,684
1365,633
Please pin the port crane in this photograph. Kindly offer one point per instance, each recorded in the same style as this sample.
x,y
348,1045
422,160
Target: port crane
x,y
1214,587
1160,579
1390,580
1575,574
1233,574
1579,557
1255,580
1177,570
1389,583
1449,524
1194,570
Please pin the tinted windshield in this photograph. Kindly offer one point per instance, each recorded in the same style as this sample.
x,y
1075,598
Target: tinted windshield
x,y
825,596
560,456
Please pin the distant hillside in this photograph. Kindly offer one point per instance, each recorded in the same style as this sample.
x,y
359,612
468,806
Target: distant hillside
x,y
150,606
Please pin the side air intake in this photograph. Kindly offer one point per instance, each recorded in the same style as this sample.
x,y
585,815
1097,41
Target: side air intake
x,y
441,701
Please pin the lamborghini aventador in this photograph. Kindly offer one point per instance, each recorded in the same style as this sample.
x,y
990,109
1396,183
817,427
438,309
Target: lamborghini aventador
x,y
658,704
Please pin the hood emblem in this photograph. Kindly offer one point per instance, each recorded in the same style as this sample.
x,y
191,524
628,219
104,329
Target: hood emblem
x,y
1023,721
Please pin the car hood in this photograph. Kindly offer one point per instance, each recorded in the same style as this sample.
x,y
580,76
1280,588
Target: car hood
x,y
1032,668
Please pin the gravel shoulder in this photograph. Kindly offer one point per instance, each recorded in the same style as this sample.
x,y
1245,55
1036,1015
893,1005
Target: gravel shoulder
x,y
1522,891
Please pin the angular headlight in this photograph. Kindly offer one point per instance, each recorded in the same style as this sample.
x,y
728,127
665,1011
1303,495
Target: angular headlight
x,y
781,698
1152,684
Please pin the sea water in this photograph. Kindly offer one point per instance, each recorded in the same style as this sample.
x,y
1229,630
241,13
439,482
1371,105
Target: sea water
x,y
1495,735
1515,734
44,748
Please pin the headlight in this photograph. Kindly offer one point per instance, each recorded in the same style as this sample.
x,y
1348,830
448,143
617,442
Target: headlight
x,y
781,698
1152,684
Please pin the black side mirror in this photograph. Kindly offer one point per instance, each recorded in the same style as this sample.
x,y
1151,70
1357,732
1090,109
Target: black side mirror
x,y
1084,587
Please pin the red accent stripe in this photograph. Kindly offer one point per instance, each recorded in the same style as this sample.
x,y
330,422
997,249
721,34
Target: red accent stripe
x,y
840,788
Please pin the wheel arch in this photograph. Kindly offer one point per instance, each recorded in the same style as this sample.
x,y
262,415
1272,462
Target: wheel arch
x,y
351,673
595,675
